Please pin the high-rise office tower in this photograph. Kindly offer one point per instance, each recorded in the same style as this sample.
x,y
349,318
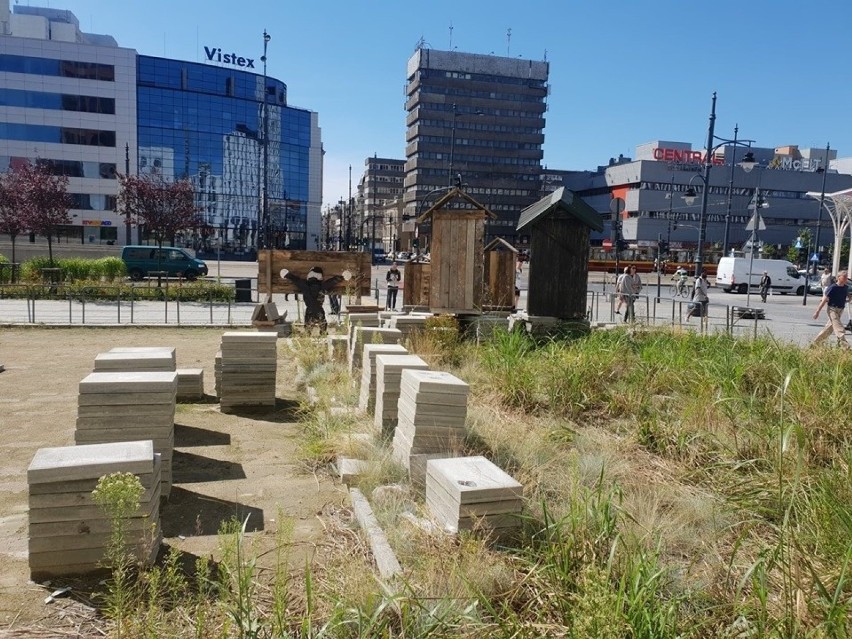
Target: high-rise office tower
x,y
481,117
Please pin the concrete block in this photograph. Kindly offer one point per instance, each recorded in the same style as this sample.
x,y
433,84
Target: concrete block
x,y
70,463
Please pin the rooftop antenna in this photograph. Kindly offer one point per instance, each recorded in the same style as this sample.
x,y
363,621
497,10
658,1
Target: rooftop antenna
x,y
451,36
508,42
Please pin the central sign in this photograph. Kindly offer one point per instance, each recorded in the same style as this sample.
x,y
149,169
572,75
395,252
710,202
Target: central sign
x,y
214,54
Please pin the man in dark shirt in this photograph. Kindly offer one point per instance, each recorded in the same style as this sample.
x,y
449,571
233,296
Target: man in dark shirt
x,y
835,298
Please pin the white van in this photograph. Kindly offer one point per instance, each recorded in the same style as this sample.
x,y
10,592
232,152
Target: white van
x,y
732,275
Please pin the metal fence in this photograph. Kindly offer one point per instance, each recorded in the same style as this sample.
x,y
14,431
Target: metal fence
x,y
662,311
60,304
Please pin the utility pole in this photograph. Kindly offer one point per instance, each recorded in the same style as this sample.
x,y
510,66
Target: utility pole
x,y
127,239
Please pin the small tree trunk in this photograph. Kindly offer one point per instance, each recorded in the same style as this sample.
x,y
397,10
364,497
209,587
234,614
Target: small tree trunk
x,y
50,249
13,267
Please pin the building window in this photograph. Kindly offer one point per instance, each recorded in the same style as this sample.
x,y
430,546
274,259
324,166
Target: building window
x,y
61,68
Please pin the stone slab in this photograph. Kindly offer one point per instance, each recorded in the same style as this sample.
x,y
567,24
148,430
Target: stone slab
x,y
432,413
84,462
145,349
386,560
426,399
121,410
434,382
126,399
246,337
129,382
74,513
123,361
348,468
473,479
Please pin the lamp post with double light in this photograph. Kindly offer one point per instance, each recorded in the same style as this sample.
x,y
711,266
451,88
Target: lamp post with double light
x,y
711,147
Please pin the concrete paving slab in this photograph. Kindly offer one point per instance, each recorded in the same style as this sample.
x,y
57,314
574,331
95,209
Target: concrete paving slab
x,y
473,479
434,382
82,462
129,382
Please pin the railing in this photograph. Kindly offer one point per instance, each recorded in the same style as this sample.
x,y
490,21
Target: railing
x,y
650,310
62,304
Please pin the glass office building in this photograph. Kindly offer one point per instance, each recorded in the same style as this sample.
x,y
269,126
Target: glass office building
x,y
206,124
88,108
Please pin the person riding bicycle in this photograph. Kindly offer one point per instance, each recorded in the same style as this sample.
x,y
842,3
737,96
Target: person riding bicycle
x,y
681,275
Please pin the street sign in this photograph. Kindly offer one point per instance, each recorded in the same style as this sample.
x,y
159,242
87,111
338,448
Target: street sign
x,y
756,222
607,244
815,257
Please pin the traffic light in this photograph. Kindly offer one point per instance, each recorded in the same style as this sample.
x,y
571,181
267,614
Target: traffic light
x,y
620,245
663,247
803,256
415,243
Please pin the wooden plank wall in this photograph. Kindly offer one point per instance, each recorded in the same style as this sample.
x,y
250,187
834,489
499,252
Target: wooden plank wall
x,y
457,261
558,274
500,279
300,262
418,280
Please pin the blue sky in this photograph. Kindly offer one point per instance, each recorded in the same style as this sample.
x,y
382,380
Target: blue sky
x,y
622,72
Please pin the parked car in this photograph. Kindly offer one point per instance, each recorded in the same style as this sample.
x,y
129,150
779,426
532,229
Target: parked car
x,y
174,262
403,256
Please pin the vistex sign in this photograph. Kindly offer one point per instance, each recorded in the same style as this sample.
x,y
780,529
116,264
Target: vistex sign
x,y
214,54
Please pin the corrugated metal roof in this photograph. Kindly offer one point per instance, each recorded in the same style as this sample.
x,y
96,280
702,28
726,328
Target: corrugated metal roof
x,y
564,201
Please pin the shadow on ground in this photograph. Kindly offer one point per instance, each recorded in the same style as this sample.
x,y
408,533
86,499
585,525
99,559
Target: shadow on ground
x,y
189,468
189,514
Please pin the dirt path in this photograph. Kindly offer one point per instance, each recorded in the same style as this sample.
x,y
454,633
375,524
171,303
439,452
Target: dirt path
x,y
224,465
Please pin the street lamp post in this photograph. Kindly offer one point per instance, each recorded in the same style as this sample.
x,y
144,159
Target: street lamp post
x,y
821,204
705,178
263,225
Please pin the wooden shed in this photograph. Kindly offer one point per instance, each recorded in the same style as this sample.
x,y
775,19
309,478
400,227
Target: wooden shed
x,y
559,227
458,234
501,263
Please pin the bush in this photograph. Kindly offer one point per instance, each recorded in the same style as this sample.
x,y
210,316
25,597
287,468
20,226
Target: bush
x,y
5,273
91,290
75,269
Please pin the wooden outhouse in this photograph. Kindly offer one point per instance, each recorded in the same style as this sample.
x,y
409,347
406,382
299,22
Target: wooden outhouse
x,y
559,227
458,234
501,263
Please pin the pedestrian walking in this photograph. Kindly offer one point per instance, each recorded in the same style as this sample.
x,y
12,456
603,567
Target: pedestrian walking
x,y
765,284
619,286
392,278
834,297
631,285
700,297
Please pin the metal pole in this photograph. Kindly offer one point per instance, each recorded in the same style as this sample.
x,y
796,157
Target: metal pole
x,y
452,146
821,204
127,239
754,238
730,193
708,163
373,232
262,230
659,262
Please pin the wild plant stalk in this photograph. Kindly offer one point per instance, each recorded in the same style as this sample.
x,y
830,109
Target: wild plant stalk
x,y
119,494
237,572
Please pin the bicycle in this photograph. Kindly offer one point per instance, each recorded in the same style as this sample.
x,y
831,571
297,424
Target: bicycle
x,y
680,287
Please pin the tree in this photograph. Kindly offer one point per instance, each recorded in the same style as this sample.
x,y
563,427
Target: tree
x,y
44,201
164,208
11,220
